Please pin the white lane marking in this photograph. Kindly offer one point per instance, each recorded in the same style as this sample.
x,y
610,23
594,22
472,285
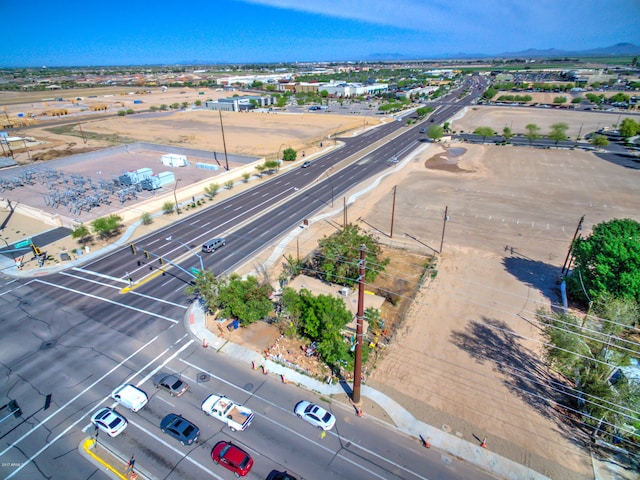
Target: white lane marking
x,y
64,432
253,394
78,395
165,401
101,275
179,452
109,301
85,279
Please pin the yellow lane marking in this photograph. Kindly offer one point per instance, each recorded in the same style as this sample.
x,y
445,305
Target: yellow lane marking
x,y
146,279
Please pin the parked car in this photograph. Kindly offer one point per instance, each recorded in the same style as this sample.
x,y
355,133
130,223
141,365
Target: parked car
x,y
170,383
276,475
130,396
109,421
232,457
180,428
315,415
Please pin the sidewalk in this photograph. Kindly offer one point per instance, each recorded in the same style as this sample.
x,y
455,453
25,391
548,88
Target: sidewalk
x,y
404,421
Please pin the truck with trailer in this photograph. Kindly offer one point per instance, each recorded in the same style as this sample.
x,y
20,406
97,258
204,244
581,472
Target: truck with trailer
x,y
237,417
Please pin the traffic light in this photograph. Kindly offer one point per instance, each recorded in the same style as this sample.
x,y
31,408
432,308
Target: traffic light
x,y
47,401
36,250
133,249
146,254
161,260
15,409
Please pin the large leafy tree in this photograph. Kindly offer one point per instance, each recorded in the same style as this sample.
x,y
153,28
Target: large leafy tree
x,y
629,127
106,227
81,233
484,132
338,256
247,300
588,353
289,154
558,132
607,262
533,132
435,132
205,286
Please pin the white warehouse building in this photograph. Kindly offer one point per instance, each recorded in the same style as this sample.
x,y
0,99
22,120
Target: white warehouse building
x,y
343,89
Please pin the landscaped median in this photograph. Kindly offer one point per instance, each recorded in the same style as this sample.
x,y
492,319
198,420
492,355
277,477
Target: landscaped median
x,y
108,461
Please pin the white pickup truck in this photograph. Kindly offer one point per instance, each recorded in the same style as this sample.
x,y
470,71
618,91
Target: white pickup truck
x,y
227,411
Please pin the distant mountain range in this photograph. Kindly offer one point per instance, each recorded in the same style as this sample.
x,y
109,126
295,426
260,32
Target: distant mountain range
x,y
619,49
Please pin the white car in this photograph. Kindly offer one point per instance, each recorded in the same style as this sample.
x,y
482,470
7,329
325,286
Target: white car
x,y
130,396
315,415
109,421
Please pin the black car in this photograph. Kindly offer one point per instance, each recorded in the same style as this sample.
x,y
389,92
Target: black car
x,y
180,428
276,475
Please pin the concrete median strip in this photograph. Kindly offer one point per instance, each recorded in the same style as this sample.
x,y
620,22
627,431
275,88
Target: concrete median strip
x,y
109,461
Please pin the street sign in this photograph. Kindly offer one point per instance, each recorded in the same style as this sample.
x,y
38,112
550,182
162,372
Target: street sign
x,y
24,243
194,270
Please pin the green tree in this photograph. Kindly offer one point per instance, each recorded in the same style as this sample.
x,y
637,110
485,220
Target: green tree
x,y
272,165
533,132
211,190
489,93
558,132
629,128
484,132
289,154
261,168
607,262
198,103
81,233
599,141
247,300
185,105
560,100
586,352
338,257
106,227
507,133
435,132
174,106
205,286
122,113
246,176
229,185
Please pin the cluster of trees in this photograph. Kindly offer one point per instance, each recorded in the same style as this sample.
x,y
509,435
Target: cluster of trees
x,y
590,351
320,318
515,98
104,227
629,128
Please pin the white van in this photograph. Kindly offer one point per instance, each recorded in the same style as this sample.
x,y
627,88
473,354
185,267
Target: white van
x,y
213,244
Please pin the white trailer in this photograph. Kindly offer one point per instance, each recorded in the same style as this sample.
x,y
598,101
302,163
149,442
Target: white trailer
x,y
174,160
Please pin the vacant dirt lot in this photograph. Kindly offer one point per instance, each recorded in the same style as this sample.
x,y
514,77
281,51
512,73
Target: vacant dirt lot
x,y
466,357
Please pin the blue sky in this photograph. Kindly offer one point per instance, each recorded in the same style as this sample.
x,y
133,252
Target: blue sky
x,y
134,32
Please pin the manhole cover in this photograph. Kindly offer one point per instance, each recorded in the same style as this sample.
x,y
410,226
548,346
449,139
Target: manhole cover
x,y
24,303
446,460
446,428
48,344
248,386
203,377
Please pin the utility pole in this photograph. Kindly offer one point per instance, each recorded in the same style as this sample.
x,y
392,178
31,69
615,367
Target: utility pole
x,y
444,224
393,209
224,143
84,140
566,260
357,364
344,212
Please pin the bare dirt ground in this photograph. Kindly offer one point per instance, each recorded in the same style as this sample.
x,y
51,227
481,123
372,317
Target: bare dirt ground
x,y
466,357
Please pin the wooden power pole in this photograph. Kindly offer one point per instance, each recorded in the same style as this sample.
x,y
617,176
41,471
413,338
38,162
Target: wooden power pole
x,y
357,364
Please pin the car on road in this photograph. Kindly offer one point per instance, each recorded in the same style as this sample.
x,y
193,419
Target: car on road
x,y
423,130
232,457
306,164
130,396
180,428
170,383
109,421
276,475
315,415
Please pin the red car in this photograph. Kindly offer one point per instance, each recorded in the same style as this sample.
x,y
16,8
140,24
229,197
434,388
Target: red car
x,y
232,458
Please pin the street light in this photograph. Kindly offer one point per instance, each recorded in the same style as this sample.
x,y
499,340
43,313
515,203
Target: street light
x,y
175,197
170,239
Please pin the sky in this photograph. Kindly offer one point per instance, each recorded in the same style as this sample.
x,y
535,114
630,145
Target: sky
x,y
117,32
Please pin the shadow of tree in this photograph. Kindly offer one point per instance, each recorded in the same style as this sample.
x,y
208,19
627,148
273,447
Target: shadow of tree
x,y
492,341
539,275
